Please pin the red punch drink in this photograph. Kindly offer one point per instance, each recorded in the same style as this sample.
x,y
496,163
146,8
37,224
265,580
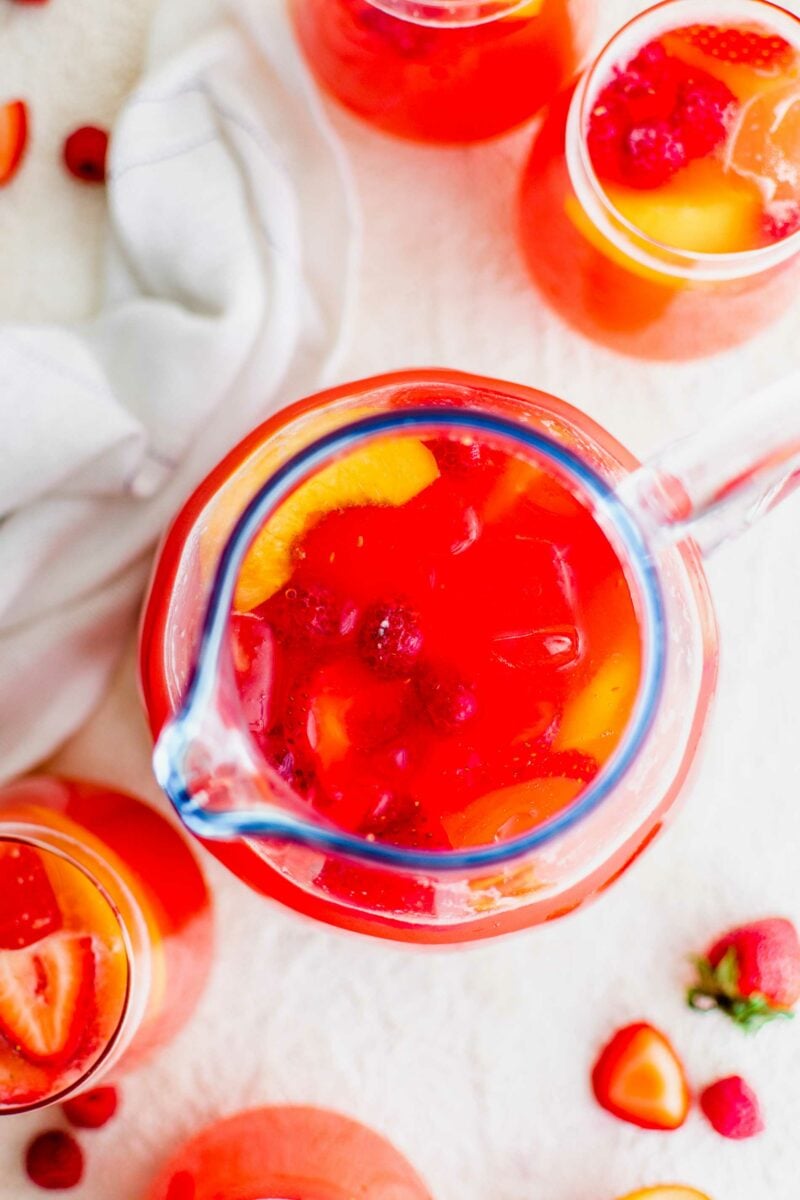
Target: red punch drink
x,y
437,70
105,936
660,209
402,649
445,654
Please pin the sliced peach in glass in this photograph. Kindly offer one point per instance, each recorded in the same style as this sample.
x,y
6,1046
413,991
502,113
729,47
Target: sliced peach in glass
x,y
701,209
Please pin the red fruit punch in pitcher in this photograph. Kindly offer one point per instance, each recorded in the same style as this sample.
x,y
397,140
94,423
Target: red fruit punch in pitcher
x,y
393,700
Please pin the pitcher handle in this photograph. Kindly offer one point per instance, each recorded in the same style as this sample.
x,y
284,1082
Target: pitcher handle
x,y
714,484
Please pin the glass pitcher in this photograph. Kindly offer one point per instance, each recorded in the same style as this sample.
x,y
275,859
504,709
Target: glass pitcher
x,y
656,519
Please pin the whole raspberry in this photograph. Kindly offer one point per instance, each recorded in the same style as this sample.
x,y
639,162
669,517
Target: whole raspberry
x,y
54,1160
732,1108
85,153
448,701
390,639
653,155
700,117
608,128
93,1109
302,614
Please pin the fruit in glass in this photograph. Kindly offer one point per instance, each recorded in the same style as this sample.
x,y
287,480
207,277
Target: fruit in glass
x,y
660,207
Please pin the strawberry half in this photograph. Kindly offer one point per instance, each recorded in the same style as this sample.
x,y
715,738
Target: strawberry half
x,y
639,1078
13,138
28,907
45,994
744,47
751,973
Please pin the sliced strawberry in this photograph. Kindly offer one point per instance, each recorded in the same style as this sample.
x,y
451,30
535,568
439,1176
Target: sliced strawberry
x,y
742,46
13,138
28,907
639,1078
45,994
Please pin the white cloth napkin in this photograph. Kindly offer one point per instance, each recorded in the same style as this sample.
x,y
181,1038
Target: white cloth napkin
x,y
233,240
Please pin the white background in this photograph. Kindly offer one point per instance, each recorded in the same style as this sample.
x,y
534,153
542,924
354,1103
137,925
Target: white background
x,y
476,1063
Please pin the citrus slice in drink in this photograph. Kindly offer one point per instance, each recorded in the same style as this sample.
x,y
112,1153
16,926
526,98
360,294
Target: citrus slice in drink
x,y
764,146
388,473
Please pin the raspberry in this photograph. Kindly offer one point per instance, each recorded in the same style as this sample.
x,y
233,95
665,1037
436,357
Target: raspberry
x,y
781,219
448,701
301,614
608,128
390,639
54,1160
93,1109
85,153
700,114
459,457
732,1108
654,154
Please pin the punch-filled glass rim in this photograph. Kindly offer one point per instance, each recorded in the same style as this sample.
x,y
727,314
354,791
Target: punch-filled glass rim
x,y
450,13
176,738
621,232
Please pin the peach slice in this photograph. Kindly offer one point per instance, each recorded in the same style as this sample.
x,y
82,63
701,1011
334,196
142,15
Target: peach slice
x,y
13,138
390,473
701,210
592,721
511,811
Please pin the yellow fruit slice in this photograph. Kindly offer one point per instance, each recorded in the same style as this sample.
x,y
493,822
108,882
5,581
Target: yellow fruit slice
x,y
701,209
667,1191
510,812
389,472
594,720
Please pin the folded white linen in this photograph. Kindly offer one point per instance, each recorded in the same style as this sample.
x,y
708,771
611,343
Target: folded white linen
x,y
233,240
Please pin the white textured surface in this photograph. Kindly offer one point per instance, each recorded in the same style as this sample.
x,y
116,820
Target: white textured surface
x,y
475,1063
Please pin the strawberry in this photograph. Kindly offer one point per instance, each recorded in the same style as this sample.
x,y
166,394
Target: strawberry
x,y
28,907
13,138
45,991
752,974
639,1078
745,47
732,1108
54,1161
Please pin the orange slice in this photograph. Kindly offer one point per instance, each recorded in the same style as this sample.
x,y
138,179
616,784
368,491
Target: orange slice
x,y
511,811
389,473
